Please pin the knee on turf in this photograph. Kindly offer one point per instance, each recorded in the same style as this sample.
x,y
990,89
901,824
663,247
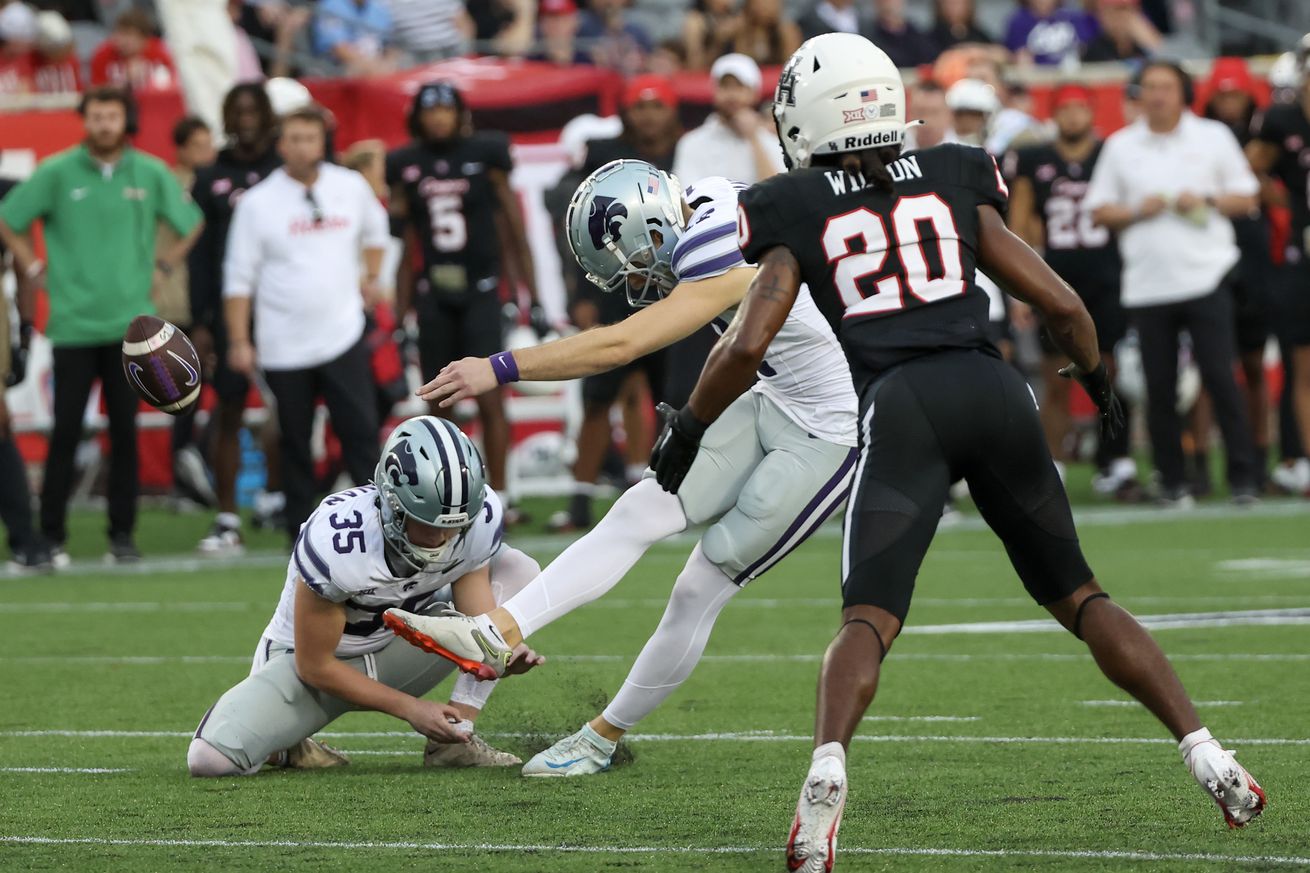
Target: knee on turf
x,y
203,760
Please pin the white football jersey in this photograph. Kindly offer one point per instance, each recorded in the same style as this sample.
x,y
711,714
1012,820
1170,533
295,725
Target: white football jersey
x,y
340,555
804,371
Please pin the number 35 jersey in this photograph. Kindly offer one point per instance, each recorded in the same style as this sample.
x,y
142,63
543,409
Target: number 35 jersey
x,y
803,371
340,556
451,201
892,273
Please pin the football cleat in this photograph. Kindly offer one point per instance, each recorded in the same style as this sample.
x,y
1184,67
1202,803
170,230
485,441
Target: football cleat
x,y
310,754
474,753
1239,796
223,539
812,845
580,754
472,642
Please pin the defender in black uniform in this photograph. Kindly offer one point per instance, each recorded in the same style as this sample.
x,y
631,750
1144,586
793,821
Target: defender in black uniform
x,y
888,245
1047,185
1280,148
251,127
451,187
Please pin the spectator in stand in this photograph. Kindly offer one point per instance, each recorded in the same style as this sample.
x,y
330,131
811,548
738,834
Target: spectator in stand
x,y
558,22
99,204
1045,32
133,56
358,34
708,30
1168,186
306,244
431,29
928,105
1126,34
55,68
956,24
1230,98
273,21
668,57
904,43
505,24
735,138
17,36
27,550
833,16
766,35
250,128
611,39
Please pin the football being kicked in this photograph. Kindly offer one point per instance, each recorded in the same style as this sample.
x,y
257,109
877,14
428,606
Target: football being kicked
x,y
160,364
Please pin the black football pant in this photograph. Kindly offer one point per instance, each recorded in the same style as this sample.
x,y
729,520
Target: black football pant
x,y
15,499
76,368
1209,321
346,386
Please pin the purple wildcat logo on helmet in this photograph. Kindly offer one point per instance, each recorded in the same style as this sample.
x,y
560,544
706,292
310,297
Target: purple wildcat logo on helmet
x,y
400,467
605,218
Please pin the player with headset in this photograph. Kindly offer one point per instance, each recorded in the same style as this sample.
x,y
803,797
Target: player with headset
x,y
100,203
450,185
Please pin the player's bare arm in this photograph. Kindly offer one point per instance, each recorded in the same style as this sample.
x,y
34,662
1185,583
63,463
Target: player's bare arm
x,y
688,308
731,365
514,231
1023,218
319,624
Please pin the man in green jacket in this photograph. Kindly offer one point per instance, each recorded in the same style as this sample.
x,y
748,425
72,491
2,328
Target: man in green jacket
x,y
100,203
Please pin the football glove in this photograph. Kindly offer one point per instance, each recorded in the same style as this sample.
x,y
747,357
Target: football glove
x,y
18,356
1098,387
676,448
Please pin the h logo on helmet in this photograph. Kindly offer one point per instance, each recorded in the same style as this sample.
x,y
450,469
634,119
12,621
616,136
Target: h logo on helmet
x,y
604,218
401,467
786,94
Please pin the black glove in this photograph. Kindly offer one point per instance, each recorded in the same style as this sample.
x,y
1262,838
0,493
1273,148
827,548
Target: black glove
x,y
540,323
1098,387
18,357
677,446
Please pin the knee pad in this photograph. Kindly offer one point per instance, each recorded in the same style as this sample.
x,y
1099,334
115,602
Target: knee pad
x,y
204,760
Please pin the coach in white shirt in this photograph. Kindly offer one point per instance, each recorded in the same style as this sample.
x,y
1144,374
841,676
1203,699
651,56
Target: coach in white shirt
x,y
736,140
296,245
1168,185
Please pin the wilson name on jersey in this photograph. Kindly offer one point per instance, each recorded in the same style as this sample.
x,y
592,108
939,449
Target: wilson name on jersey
x,y
1081,251
892,273
340,555
451,199
804,371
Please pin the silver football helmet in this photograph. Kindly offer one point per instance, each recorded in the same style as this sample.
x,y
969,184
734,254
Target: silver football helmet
x,y
431,472
622,224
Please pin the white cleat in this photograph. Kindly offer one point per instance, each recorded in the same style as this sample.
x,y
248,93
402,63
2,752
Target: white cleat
x,y
580,754
1215,769
1293,478
472,642
812,845
474,753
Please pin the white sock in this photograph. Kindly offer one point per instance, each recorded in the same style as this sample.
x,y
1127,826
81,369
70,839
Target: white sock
x,y
605,745
229,520
471,691
642,516
830,750
1192,740
675,648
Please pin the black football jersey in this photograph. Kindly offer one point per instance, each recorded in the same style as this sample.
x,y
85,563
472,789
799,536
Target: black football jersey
x,y
1286,126
1081,251
893,273
216,190
451,201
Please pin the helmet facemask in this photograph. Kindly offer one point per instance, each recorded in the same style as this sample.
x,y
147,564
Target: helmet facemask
x,y
394,532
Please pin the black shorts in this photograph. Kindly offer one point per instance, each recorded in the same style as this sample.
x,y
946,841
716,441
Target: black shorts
x,y
1291,306
1250,284
603,388
454,326
926,424
229,385
1108,314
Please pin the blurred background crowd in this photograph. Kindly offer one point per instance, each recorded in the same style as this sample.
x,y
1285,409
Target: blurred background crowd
x,y
1223,350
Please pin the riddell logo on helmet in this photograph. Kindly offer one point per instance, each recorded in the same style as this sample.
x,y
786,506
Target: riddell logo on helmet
x,y
869,140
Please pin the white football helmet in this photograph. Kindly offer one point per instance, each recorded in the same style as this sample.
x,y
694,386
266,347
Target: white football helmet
x,y
838,93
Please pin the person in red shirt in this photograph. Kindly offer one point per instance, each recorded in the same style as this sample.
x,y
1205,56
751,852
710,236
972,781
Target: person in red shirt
x,y
55,67
17,33
133,56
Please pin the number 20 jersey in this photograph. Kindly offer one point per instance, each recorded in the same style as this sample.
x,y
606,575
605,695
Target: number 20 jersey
x,y
340,555
892,273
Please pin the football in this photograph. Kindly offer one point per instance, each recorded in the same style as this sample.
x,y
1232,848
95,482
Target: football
x,y
161,365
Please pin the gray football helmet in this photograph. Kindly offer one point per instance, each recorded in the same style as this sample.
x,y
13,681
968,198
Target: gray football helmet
x,y
431,471
623,223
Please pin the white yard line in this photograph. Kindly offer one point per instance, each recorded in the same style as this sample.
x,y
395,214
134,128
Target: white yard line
x,y
93,770
130,606
926,718
1068,854
1135,704
1167,621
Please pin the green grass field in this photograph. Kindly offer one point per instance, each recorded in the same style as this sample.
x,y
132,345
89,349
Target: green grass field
x,y
990,749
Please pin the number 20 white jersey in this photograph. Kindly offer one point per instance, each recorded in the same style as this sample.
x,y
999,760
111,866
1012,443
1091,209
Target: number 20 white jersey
x,y
340,555
804,371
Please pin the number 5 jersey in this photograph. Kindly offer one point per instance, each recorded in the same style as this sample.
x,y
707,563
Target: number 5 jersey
x,y
340,554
